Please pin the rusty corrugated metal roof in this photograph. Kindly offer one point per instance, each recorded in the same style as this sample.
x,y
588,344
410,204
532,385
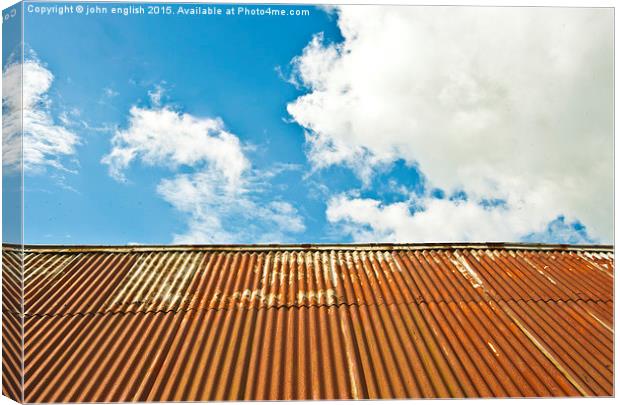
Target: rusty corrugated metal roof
x,y
12,324
313,321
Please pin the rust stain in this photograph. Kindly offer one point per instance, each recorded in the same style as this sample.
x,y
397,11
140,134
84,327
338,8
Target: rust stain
x,y
196,323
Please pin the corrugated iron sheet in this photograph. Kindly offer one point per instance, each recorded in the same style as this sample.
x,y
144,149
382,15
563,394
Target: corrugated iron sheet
x,y
12,324
381,321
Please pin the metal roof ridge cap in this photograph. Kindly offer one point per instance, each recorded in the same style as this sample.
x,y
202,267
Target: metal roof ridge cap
x,y
306,246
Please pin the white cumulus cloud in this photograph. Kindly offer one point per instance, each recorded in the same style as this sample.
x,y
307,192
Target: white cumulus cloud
x,y
28,119
502,103
163,137
431,219
221,197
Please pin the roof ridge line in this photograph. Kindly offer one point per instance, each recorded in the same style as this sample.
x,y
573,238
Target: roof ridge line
x,y
307,247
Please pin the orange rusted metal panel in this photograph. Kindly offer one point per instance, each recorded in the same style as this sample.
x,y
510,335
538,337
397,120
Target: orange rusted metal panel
x,y
188,323
12,323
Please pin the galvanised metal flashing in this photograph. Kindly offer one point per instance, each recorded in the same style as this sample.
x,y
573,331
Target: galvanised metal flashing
x,y
311,246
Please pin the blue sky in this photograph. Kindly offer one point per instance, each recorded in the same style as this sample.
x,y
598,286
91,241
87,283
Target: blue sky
x,y
224,68
330,148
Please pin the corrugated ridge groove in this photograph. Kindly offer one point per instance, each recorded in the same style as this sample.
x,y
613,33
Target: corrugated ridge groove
x,y
567,353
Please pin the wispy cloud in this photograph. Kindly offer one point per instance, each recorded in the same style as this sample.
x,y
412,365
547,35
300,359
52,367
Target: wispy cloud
x,y
45,141
216,214
157,94
109,92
